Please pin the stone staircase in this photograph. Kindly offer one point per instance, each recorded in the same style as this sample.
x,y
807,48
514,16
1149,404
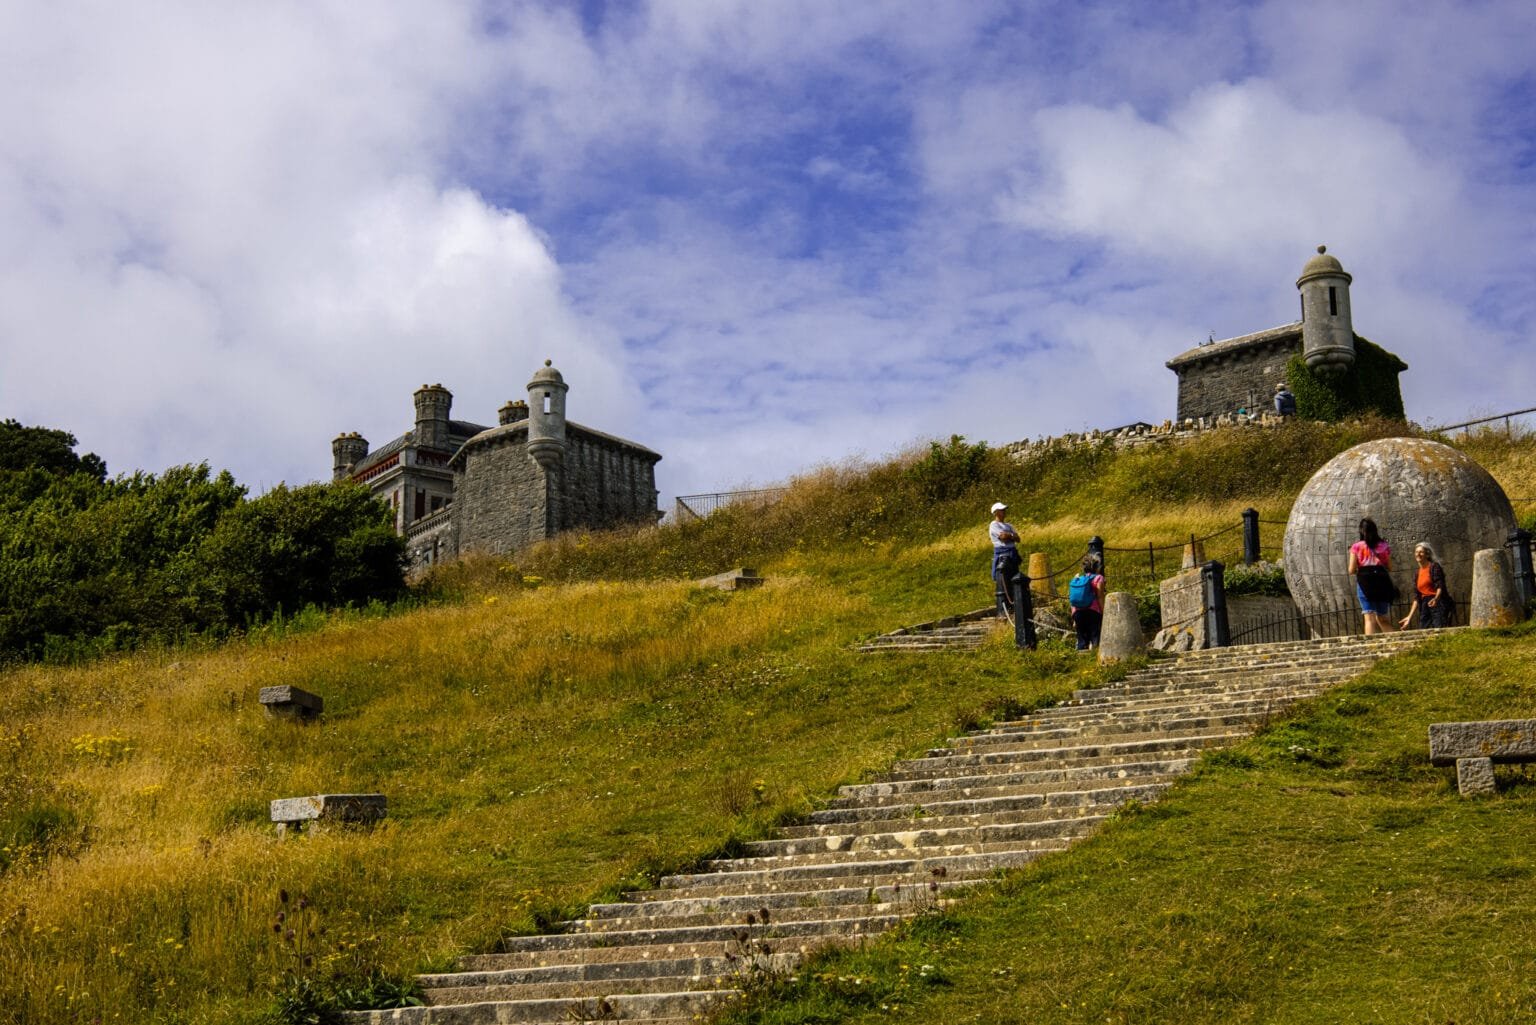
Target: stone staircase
x,y
884,851
962,632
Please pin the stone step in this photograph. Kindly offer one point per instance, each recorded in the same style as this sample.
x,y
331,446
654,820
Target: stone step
x,y
774,905
805,887
936,863
1061,716
989,783
723,971
686,1006
717,931
1067,822
1007,800
1181,722
638,953
1132,691
1089,752
910,901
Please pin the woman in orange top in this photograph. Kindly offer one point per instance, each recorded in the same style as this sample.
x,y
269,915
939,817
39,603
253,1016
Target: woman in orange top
x,y
1429,600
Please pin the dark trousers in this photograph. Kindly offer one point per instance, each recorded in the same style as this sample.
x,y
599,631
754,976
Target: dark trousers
x,y
1005,570
1087,623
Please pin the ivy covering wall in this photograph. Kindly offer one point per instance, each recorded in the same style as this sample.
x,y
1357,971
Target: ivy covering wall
x,y
1370,386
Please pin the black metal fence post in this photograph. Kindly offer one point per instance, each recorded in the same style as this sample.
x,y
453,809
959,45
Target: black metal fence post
x,y
1520,541
1023,613
1213,587
1250,536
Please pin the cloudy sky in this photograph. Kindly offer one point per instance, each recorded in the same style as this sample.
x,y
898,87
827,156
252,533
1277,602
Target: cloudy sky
x,y
755,235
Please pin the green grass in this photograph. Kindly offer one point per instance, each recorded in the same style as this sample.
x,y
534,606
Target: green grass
x,y
546,744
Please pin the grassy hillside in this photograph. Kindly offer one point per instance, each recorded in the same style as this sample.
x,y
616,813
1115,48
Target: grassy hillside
x,y
553,730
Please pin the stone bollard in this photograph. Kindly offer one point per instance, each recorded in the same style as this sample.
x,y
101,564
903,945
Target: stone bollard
x,y
1040,573
1194,555
1494,601
1120,637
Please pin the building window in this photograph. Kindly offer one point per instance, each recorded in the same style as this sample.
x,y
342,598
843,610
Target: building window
x,y
421,504
1333,301
437,502
546,403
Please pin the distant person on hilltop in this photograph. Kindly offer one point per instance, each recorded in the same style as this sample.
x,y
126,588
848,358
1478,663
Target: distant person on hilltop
x,y
1005,552
1285,402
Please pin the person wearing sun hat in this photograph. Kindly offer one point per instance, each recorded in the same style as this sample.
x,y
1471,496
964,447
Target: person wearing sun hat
x,y
1005,549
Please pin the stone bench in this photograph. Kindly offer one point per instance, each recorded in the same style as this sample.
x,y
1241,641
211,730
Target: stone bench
x,y
1474,747
348,809
732,580
291,702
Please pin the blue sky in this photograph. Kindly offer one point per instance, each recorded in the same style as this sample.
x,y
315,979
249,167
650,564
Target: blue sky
x,y
755,236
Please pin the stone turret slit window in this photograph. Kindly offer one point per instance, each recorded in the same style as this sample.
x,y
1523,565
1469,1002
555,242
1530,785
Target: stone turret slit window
x,y
546,403
1333,301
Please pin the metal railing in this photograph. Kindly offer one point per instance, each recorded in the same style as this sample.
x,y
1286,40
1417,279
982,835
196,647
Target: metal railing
x,y
1506,417
696,507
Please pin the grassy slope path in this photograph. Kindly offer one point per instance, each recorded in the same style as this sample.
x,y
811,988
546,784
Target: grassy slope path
x,y
888,850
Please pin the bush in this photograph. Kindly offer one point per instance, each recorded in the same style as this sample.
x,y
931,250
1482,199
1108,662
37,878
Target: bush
x,y
1369,387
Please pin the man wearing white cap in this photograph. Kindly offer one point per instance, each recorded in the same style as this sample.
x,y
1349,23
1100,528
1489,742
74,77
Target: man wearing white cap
x,y
1005,549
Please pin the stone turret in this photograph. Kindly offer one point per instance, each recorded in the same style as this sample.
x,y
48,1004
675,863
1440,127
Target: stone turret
x,y
433,403
546,417
347,450
1327,330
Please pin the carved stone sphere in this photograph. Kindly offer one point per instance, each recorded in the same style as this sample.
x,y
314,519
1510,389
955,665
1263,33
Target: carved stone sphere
x,y
1416,491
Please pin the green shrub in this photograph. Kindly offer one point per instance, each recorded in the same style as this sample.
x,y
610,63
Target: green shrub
x,y
1370,386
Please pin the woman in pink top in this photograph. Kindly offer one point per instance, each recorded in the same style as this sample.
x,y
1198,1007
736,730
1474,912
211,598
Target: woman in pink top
x,y
1370,562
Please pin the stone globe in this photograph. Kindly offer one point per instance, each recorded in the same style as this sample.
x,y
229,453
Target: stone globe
x,y
1416,491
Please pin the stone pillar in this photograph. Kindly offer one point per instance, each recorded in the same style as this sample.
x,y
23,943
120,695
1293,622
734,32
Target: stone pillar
x,y
1194,554
1494,600
1040,572
1120,637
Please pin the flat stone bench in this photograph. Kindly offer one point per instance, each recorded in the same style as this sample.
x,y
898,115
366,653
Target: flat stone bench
x,y
291,702
1474,747
349,809
732,580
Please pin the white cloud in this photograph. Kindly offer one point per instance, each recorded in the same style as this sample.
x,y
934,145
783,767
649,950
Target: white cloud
x,y
226,239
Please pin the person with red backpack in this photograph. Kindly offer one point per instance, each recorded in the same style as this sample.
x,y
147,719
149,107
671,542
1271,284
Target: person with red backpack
x,y
1085,593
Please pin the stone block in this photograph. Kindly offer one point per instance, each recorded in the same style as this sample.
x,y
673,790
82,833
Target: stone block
x,y
1474,776
1502,740
291,702
1495,601
732,580
1120,636
347,809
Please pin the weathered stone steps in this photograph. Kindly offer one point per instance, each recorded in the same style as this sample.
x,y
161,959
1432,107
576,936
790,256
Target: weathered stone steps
x,y
880,852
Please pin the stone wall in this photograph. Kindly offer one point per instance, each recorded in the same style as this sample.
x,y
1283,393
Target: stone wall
x,y
499,494
1142,434
1241,379
605,484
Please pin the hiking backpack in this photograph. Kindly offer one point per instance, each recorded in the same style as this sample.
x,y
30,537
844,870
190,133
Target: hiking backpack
x,y
1080,592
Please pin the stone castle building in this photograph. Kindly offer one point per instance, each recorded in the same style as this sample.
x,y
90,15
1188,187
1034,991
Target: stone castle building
x,y
457,486
1241,373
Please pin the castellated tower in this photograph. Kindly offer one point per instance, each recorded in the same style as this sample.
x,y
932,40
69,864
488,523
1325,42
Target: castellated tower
x,y
1327,330
546,417
346,452
433,402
